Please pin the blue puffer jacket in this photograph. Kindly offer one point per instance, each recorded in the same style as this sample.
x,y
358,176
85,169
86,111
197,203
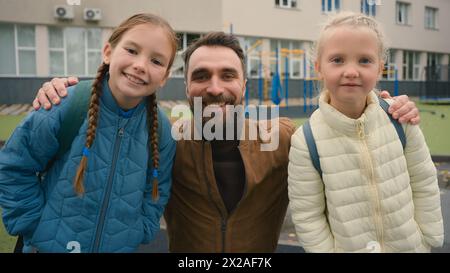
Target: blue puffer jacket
x,y
117,212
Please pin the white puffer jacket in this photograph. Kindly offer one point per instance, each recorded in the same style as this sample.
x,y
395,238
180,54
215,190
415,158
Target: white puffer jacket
x,y
374,196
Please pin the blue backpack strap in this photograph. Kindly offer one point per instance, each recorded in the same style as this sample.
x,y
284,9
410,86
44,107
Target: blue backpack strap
x,y
74,117
398,127
72,121
160,129
312,146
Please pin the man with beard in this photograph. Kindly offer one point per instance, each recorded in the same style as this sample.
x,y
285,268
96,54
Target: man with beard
x,y
227,195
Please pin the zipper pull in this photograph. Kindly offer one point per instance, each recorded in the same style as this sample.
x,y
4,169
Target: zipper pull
x,y
121,131
360,127
224,226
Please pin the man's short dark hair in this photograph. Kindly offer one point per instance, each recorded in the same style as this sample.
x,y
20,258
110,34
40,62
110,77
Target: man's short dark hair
x,y
216,38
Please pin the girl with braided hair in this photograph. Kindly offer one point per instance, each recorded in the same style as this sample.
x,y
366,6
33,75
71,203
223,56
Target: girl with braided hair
x,y
108,191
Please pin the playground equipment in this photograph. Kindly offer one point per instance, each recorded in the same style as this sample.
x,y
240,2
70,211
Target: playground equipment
x,y
273,84
280,92
391,72
311,86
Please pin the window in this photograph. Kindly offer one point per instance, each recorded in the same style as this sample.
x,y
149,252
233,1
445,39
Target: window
x,y
368,7
184,40
433,70
434,59
431,18
253,48
254,68
390,67
275,66
190,38
18,50
286,3
297,58
74,51
411,65
331,5
402,11
290,58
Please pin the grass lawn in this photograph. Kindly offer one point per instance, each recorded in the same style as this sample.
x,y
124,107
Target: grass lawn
x,y
435,124
7,125
7,242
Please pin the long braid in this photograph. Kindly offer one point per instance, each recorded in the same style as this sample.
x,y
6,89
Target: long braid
x,y
152,122
93,112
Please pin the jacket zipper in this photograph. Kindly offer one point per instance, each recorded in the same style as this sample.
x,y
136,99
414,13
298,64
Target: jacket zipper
x,y
223,222
368,162
245,185
107,196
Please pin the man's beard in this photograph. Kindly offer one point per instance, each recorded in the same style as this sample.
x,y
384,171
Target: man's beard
x,y
228,115
209,99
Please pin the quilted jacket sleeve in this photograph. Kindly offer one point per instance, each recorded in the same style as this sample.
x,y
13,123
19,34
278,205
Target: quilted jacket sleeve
x,y
307,199
154,210
28,150
425,189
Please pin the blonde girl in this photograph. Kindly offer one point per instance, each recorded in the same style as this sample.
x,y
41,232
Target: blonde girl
x,y
108,191
373,195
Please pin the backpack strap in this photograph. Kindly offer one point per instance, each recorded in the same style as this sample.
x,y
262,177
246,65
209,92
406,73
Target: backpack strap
x,y
398,127
160,131
312,147
75,116
73,119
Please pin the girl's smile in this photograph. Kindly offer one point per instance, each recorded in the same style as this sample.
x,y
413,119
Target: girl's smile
x,y
134,79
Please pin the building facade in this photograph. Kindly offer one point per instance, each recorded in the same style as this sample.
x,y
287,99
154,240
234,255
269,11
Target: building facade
x,y
51,38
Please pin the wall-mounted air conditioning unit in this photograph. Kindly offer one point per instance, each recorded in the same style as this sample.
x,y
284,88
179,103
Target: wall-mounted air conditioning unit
x,y
63,12
91,14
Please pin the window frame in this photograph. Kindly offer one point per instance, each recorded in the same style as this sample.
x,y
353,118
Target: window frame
x,y
290,4
404,8
257,60
390,65
369,10
415,66
17,50
253,53
435,15
183,42
87,50
335,6
292,58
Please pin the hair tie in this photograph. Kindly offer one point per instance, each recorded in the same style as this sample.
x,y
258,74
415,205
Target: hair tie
x,y
155,173
86,151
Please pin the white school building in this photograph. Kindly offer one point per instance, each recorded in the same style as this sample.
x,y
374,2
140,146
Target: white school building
x,y
48,38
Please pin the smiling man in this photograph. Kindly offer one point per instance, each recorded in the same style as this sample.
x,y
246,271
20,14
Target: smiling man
x,y
227,195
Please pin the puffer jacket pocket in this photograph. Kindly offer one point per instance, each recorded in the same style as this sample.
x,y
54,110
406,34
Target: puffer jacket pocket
x,y
424,246
138,234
